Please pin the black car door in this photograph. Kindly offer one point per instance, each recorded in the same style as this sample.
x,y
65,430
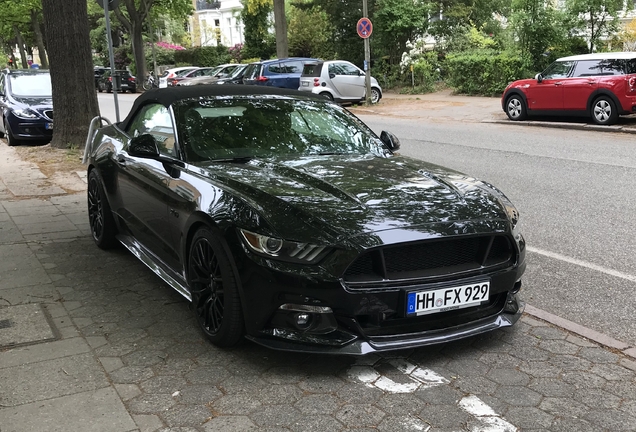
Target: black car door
x,y
144,184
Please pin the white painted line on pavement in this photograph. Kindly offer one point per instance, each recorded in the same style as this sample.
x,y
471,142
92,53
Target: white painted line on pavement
x,y
364,371
582,263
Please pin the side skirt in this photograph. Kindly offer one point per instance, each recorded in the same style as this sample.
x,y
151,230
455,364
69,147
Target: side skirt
x,y
154,264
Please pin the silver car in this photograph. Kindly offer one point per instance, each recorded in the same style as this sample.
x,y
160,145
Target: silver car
x,y
338,80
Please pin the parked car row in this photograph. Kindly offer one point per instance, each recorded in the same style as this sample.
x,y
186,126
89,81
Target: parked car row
x,y
338,80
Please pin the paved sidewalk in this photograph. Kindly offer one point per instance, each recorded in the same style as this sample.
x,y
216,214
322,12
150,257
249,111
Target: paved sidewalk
x,y
93,341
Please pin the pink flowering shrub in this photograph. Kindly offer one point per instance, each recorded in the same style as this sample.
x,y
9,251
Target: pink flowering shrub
x,y
170,46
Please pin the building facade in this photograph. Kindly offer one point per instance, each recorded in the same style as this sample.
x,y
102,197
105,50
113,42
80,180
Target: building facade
x,y
216,23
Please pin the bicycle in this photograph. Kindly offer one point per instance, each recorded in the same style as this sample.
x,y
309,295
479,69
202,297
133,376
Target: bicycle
x,y
150,82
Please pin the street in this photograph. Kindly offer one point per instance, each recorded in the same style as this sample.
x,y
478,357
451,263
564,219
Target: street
x,y
123,351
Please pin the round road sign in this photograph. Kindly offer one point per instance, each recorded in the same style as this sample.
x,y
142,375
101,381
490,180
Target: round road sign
x,y
364,27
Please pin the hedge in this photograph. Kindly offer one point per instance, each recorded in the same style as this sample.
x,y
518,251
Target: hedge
x,y
205,56
483,72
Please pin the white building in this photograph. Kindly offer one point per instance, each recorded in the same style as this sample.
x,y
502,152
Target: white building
x,y
216,23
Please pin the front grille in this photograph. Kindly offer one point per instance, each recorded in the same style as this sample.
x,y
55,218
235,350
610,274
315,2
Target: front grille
x,y
49,114
431,259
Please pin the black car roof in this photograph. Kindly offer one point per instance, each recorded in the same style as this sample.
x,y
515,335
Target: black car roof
x,y
167,96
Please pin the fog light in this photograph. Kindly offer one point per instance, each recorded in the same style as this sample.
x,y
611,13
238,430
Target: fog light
x,y
302,319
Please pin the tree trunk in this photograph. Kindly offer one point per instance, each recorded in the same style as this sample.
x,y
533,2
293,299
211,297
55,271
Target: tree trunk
x,y
138,49
71,63
35,23
20,41
280,24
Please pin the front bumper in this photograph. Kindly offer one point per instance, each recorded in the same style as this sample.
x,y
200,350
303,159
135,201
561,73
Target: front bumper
x,y
360,346
31,129
361,321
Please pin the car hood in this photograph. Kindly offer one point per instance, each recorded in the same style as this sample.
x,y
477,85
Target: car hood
x,y
37,102
344,195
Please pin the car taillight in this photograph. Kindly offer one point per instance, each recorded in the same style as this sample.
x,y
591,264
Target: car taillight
x,y
262,78
131,79
632,82
316,82
171,75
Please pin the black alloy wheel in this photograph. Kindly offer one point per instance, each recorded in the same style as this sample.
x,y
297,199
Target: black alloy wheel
x,y
11,139
213,286
100,217
516,108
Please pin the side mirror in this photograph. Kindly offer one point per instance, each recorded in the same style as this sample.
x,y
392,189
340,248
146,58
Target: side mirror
x,y
391,141
538,77
144,146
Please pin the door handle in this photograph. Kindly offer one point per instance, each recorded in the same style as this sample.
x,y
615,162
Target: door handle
x,y
591,82
558,83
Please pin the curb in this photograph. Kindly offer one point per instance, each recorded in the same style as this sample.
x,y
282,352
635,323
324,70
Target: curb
x,y
561,125
586,333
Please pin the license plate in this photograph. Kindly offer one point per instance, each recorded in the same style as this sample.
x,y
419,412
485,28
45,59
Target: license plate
x,y
446,299
305,84
48,126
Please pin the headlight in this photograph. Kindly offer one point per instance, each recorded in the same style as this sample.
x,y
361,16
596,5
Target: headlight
x,y
282,249
25,114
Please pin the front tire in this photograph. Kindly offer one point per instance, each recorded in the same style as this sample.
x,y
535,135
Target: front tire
x,y
100,217
375,95
12,141
516,108
604,111
214,288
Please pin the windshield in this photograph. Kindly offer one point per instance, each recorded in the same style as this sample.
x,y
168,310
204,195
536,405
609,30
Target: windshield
x,y
237,71
245,127
212,71
31,85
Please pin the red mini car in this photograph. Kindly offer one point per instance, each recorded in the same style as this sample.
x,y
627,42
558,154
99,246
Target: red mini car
x,y
601,86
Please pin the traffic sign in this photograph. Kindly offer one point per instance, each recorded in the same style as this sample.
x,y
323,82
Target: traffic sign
x,y
364,27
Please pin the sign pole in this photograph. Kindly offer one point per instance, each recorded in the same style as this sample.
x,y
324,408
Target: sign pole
x,y
111,57
367,58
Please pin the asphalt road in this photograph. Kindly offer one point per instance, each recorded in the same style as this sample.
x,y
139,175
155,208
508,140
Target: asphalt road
x,y
575,192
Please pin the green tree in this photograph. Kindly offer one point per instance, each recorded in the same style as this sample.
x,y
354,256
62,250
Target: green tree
x,y
398,21
259,42
595,18
536,27
309,33
21,23
133,15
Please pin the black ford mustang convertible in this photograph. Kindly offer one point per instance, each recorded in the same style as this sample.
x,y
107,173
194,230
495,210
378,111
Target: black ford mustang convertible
x,y
285,219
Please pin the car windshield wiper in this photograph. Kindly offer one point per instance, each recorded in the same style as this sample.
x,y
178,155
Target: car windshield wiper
x,y
237,159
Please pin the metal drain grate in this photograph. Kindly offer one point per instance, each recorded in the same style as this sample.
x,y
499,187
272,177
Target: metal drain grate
x,y
4,324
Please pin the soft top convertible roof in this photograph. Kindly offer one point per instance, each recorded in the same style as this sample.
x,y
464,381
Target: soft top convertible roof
x,y
167,96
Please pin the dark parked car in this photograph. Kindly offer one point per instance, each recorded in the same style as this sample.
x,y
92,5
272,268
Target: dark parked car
x,y
127,82
284,218
284,73
98,72
212,76
236,77
26,105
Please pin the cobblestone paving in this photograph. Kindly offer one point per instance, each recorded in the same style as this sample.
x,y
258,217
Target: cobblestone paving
x,y
530,377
